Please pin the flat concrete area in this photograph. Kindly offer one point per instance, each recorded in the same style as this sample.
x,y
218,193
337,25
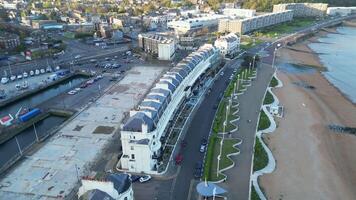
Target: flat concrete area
x,y
54,169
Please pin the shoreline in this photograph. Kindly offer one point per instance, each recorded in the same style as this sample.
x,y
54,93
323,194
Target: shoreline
x,y
313,162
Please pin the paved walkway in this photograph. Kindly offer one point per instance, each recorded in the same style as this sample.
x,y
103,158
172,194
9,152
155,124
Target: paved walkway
x,y
238,179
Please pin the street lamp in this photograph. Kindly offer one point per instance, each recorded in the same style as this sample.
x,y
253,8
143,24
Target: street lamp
x,y
274,54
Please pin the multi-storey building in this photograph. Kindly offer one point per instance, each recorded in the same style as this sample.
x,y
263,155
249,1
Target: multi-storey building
x,y
228,44
141,133
342,11
192,24
8,40
303,9
241,13
160,46
243,26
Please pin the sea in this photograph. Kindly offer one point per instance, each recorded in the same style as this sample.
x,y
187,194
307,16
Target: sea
x,y
338,54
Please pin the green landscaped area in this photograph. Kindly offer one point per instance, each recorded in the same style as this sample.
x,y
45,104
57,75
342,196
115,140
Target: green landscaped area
x,y
260,158
264,121
248,42
274,82
254,195
287,27
213,152
268,98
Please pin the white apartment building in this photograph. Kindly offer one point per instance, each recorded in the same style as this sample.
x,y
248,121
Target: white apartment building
x,y
240,13
162,47
142,131
302,9
228,45
112,187
184,26
342,11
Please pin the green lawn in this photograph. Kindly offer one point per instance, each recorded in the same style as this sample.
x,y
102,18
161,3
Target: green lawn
x,y
274,82
287,27
247,43
268,99
264,121
260,159
212,161
254,195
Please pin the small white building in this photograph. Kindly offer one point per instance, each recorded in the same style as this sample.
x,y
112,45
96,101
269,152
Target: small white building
x,y
113,187
341,11
228,45
241,13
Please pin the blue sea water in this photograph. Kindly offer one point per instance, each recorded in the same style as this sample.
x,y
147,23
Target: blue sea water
x,y
338,55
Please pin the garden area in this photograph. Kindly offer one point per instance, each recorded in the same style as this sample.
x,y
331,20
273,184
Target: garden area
x,y
287,27
248,42
260,159
268,99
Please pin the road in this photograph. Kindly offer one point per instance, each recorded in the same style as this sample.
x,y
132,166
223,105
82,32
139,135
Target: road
x,y
199,128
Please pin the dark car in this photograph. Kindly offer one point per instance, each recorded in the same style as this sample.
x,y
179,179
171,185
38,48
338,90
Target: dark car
x,y
197,173
135,178
204,141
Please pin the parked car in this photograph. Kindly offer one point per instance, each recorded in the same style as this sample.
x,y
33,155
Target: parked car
x,y
12,78
84,85
48,69
58,68
37,72
204,141
42,71
25,74
4,80
202,148
145,178
19,76
134,178
90,82
221,73
32,73
72,92
198,169
77,56
179,159
77,89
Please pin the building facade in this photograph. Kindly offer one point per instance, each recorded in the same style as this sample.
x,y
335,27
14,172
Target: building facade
x,y
303,9
241,13
141,133
160,46
341,11
228,45
242,26
192,24
8,40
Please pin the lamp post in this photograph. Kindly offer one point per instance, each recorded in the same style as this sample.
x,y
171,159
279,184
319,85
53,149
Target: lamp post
x,y
274,54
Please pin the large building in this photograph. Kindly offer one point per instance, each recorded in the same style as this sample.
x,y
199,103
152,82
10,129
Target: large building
x,y
228,45
157,45
242,26
112,187
141,133
8,40
192,24
303,9
237,12
341,11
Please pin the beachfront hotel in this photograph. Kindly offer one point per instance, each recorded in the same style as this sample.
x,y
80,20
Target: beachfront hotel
x,y
141,133
303,9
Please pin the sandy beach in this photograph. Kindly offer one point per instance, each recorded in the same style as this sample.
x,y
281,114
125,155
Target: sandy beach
x,y
313,162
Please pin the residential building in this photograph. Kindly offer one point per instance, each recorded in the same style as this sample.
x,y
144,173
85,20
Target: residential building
x,y
302,9
341,11
143,131
240,13
242,26
8,40
192,24
228,45
112,187
160,46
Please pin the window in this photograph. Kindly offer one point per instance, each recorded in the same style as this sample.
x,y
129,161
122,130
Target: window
x,y
133,156
132,147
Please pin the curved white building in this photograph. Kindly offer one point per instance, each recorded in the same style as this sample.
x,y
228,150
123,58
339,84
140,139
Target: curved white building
x,y
141,133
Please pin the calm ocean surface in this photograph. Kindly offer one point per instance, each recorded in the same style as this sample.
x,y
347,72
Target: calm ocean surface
x,y
339,57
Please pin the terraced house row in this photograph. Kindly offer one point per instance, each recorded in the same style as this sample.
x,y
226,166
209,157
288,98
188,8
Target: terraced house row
x,y
141,133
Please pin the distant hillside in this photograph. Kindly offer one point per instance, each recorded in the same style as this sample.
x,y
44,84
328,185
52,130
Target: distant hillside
x,y
266,5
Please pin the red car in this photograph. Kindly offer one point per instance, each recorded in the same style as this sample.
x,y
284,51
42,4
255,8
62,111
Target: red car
x,y
179,159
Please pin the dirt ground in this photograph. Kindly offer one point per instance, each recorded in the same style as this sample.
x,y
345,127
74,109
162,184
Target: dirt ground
x,y
313,162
